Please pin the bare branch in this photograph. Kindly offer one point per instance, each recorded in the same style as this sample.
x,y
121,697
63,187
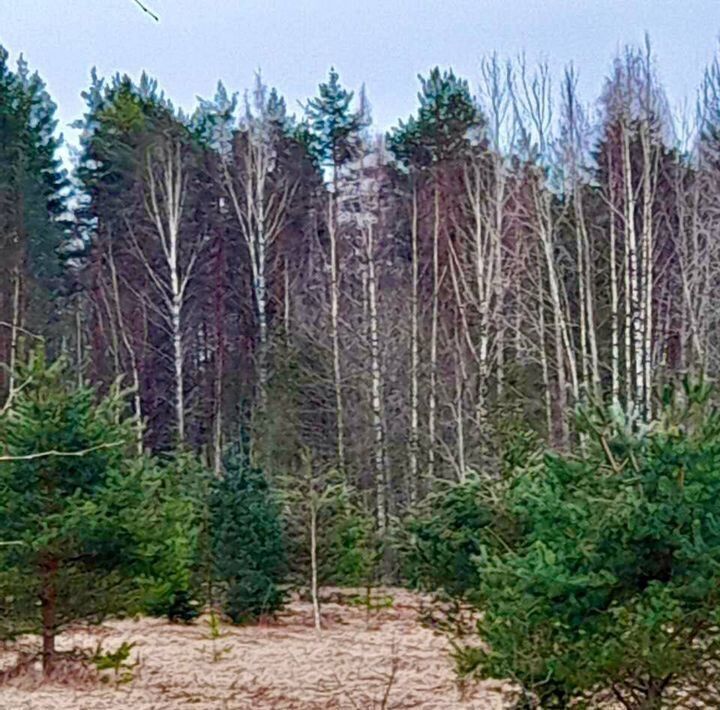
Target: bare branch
x,y
147,10
54,452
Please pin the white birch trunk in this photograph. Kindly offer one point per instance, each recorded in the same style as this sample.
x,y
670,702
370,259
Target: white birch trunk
x,y
376,384
432,397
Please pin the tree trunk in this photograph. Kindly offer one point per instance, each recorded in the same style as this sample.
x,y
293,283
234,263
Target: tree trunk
x,y
166,213
654,692
334,330
633,276
614,301
78,345
137,401
286,299
314,564
432,400
543,360
48,604
178,357
460,418
414,356
376,387
647,279
14,334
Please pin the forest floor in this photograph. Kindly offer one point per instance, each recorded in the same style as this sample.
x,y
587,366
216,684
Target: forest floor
x,y
384,659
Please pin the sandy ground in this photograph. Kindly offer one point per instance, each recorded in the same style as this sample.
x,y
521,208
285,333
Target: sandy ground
x,y
360,661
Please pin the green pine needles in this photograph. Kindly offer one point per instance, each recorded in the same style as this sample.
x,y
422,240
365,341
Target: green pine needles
x,y
87,530
609,590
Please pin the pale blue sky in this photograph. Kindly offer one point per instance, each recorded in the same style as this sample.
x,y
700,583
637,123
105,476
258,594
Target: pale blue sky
x,y
382,42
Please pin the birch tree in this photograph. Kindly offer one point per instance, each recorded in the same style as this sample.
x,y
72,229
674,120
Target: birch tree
x,y
171,268
260,195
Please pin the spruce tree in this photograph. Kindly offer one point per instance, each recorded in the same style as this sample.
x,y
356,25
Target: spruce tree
x,y
247,541
31,177
33,232
171,563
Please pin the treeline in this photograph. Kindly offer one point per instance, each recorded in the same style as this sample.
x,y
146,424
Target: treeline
x,y
392,303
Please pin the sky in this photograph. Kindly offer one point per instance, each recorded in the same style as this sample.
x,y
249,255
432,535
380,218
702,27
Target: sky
x,y
384,43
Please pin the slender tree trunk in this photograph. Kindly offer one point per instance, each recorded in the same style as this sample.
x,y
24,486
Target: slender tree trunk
x,y
219,359
561,381
633,276
432,399
137,400
314,564
543,359
113,326
48,606
78,345
499,277
647,280
582,307
486,243
167,217
174,193
561,337
261,297
377,385
614,301
500,360
591,366
460,418
12,364
592,325
414,356
627,328
286,299
178,363
334,326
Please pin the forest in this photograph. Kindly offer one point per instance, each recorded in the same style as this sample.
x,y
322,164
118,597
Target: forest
x,y
254,358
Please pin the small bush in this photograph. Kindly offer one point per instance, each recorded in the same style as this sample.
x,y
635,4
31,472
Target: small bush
x,y
444,536
117,661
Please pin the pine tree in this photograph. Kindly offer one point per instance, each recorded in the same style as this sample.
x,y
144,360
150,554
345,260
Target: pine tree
x,y
68,500
609,584
332,124
334,134
447,119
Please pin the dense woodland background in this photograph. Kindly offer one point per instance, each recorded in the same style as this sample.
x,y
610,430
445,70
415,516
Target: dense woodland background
x,y
364,317
393,303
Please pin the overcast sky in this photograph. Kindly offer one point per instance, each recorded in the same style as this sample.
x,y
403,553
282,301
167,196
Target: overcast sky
x,y
384,43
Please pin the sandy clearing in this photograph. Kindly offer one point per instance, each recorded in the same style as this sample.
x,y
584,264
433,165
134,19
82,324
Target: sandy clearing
x,y
282,664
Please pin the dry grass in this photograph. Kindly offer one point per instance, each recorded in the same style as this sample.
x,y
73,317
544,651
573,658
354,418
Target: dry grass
x,y
383,660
